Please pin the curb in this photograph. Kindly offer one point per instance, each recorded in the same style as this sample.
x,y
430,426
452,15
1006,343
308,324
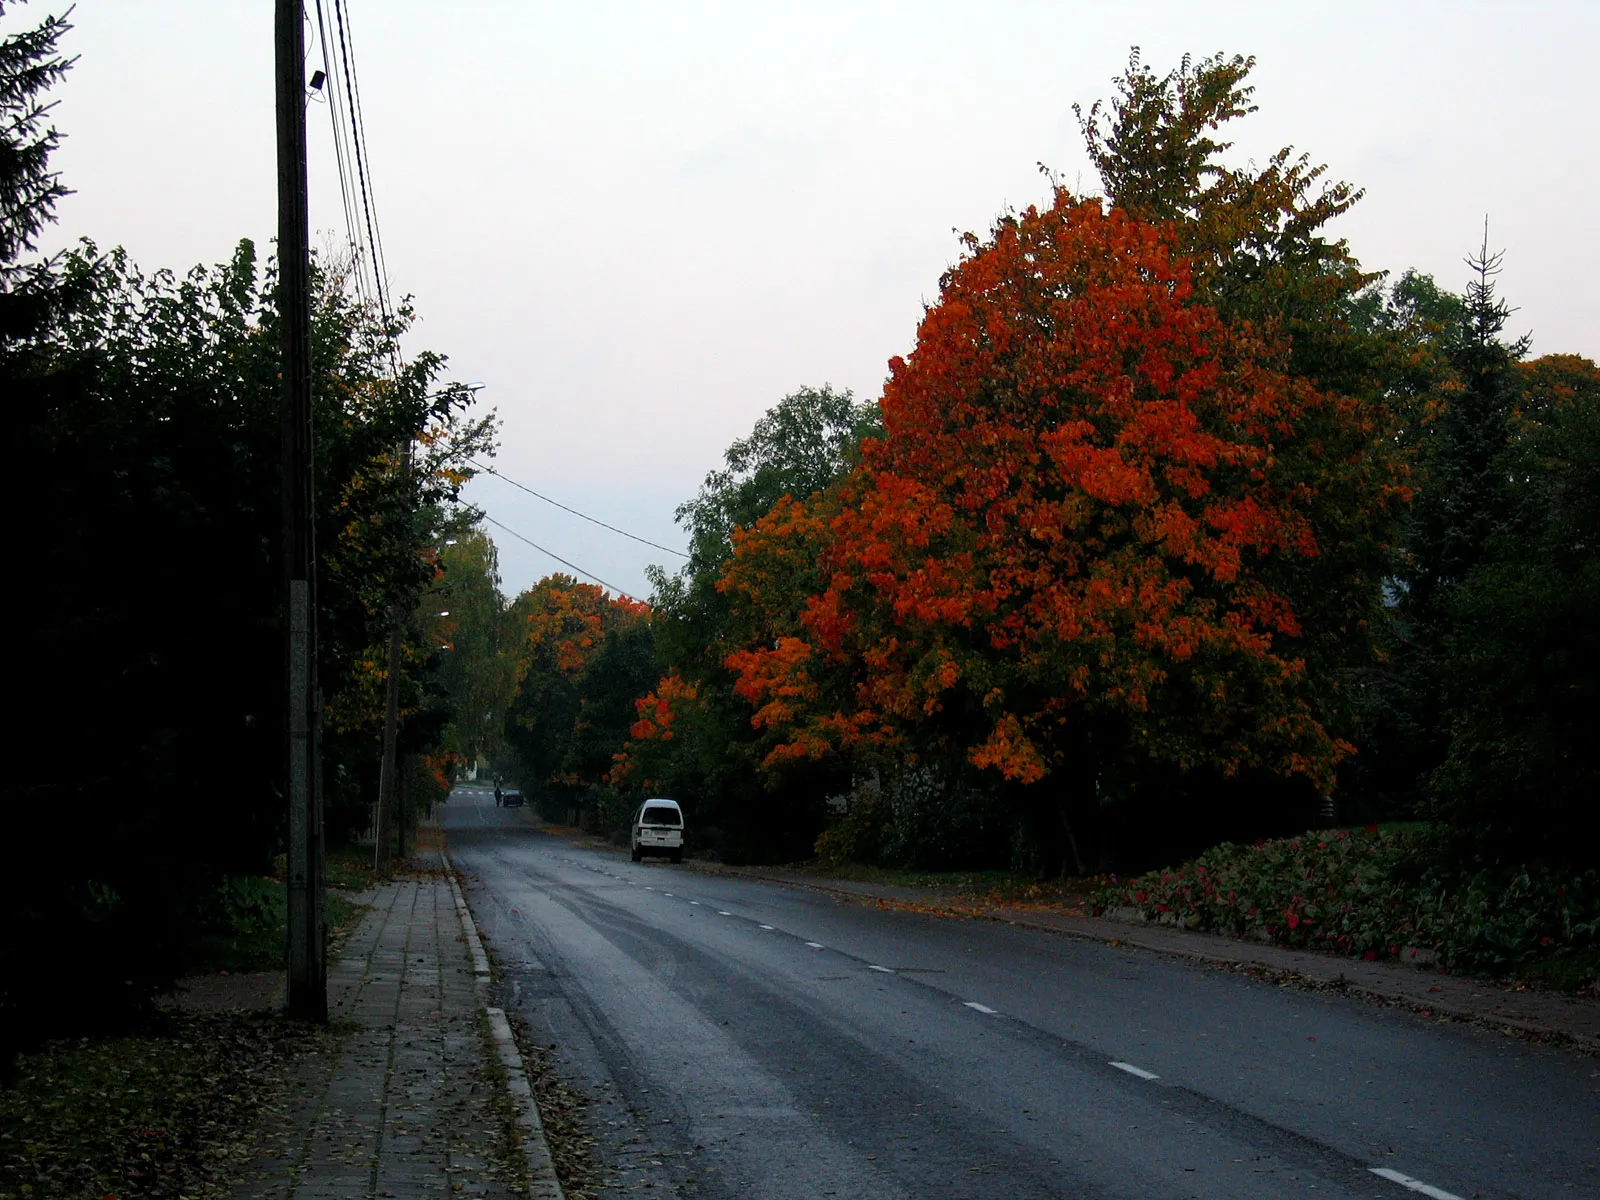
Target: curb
x,y
542,1181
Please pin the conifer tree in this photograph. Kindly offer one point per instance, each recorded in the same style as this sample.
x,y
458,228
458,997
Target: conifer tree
x,y
30,64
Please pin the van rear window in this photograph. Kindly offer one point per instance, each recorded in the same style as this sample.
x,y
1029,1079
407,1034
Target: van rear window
x,y
659,815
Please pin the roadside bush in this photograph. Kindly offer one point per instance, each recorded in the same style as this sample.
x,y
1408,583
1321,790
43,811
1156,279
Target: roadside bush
x,y
1377,895
918,820
856,833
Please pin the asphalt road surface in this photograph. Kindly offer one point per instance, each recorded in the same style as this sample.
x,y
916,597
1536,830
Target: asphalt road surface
x,y
750,1039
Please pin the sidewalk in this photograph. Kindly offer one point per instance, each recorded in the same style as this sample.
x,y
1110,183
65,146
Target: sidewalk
x,y
410,1104
1487,1002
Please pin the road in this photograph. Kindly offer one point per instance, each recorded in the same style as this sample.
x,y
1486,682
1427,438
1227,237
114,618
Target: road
x,y
751,1039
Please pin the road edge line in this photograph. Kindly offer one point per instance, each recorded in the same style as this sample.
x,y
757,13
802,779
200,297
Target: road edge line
x,y
543,1183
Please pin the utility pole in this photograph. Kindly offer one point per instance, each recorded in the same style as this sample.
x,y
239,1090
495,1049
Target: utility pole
x,y
308,969
387,772
407,795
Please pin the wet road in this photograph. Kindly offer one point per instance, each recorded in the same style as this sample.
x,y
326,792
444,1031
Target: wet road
x,y
758,1040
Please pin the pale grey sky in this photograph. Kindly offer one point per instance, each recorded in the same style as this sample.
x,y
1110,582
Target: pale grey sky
x,y
643,223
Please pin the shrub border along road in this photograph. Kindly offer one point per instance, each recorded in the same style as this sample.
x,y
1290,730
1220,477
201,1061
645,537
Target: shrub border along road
x,y
1374,895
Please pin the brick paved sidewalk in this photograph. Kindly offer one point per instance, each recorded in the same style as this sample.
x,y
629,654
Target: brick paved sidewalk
x,y
407,1106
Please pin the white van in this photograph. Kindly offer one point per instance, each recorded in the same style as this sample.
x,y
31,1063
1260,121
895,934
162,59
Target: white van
x,y
658,829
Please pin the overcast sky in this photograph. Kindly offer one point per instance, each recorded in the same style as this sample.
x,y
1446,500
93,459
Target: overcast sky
x,y
642,224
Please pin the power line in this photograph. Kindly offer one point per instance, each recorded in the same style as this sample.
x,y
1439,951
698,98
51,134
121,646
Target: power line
x,y
557,557
567,508
341,152
356,190
358,131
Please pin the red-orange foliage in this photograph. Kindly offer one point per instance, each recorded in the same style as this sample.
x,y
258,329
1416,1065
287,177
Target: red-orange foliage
x,y
661,708
1059,550
561,623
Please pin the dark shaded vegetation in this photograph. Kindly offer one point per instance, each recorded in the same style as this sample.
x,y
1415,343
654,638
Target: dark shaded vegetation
x,y
146,790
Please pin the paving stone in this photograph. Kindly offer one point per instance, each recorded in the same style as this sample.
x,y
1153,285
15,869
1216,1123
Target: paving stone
x,y
403,1108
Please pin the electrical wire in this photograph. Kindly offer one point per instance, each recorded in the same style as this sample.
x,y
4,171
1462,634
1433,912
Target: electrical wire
x,y
557,557
356,190
357,128
330,64
380,260
488,470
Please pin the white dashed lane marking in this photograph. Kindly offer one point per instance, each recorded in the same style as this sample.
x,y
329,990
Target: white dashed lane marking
x,y
1416,1185
1133,1070
1393,1176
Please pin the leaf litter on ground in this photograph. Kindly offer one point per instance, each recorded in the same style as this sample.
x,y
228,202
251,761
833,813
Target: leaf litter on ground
x,y
163,1112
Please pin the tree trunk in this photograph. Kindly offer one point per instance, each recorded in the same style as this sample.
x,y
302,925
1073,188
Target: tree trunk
x,y
1075,801
408,812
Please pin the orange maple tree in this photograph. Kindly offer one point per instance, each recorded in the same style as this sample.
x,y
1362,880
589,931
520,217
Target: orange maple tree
x,y
581,656
1057,556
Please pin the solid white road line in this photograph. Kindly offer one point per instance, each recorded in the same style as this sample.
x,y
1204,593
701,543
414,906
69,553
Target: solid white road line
x,y
1416,1185
885,970
1133,1070
983,1008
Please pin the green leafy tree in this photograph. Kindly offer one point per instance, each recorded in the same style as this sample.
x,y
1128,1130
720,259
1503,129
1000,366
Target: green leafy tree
x,y
465,615
805,441
147,409
158,533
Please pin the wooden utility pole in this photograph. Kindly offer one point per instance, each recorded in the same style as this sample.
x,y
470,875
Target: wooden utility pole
x,y
308,970
387,772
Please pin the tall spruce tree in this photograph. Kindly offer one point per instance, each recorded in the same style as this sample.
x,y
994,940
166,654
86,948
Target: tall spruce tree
x,y
30,64
1464,494
1463,497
